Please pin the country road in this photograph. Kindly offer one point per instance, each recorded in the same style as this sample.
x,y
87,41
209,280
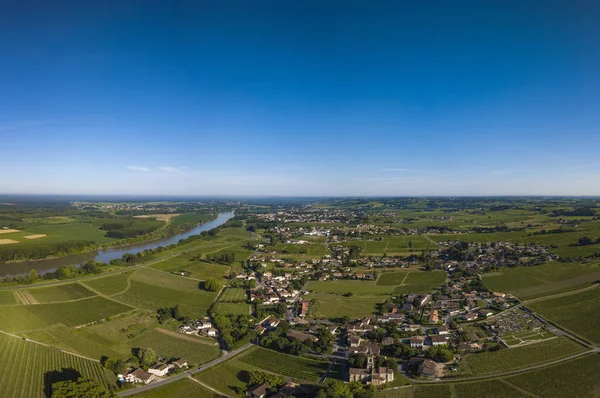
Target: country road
x,y
187,373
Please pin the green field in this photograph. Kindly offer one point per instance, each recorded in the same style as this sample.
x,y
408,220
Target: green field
x,y
110,285
26,366
577,312
18,317
230,377
7,297
171,347
185,388
392,245
333,305
342,286
297,368
79,312
152,289
520,357
308,249
231,308
233,295
487,389
67,292
575,378
60,233
543,280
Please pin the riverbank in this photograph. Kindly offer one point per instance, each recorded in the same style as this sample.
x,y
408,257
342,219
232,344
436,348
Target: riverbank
x,y
110,253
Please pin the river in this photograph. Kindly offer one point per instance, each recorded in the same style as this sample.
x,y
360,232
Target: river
x,y
44,266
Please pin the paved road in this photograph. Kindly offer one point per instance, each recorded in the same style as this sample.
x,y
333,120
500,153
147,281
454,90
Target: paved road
x,y
185,374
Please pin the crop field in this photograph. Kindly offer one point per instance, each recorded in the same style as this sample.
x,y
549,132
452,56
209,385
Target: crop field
x,y
392,245
575,378
72,231
576,312
26,367
110,285
77,341
392,278
112,333
297,368
184,388
7,297
308,248
230,377
542,280
79,312
342,286
15,318
162,279
439,391
71,291
233,295
333,305
519,357
204,270
153,296
487,389
172,347
231,308
484,237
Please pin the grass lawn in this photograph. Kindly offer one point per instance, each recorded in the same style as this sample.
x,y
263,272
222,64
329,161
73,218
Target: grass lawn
x,y
171,347
309,249
575,378
185,388
543,280
519,357
578,313
71,291
333,305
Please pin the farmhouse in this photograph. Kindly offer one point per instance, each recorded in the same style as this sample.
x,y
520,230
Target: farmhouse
x,y
427,368
139,376
180,363
160,369
259,391
416,341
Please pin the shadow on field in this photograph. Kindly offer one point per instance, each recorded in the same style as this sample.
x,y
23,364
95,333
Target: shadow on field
x,y
54,376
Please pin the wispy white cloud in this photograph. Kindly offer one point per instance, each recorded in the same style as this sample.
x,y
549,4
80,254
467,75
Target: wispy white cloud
x,y
171,169
138,168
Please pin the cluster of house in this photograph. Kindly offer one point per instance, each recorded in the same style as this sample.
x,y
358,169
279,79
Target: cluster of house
x,y
275,289
199,327
159,369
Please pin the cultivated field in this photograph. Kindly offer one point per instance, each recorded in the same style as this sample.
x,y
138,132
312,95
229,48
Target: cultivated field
x,y
8,241
392,245
67,292
79,312
333,305
110,285
171,347
185,388
26,368
520,357
487,389
297,368
577,312
7,297
342,286
543,280
231,308
576,378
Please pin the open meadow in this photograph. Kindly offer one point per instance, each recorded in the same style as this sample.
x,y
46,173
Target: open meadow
x,y
392,245
335,305
171,347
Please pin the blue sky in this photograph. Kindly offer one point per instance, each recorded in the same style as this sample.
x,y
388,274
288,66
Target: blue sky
x,y
300,97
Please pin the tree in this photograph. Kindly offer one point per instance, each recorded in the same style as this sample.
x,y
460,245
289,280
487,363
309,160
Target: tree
x,y
80,388
147,356
212,285
33,275
258,377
